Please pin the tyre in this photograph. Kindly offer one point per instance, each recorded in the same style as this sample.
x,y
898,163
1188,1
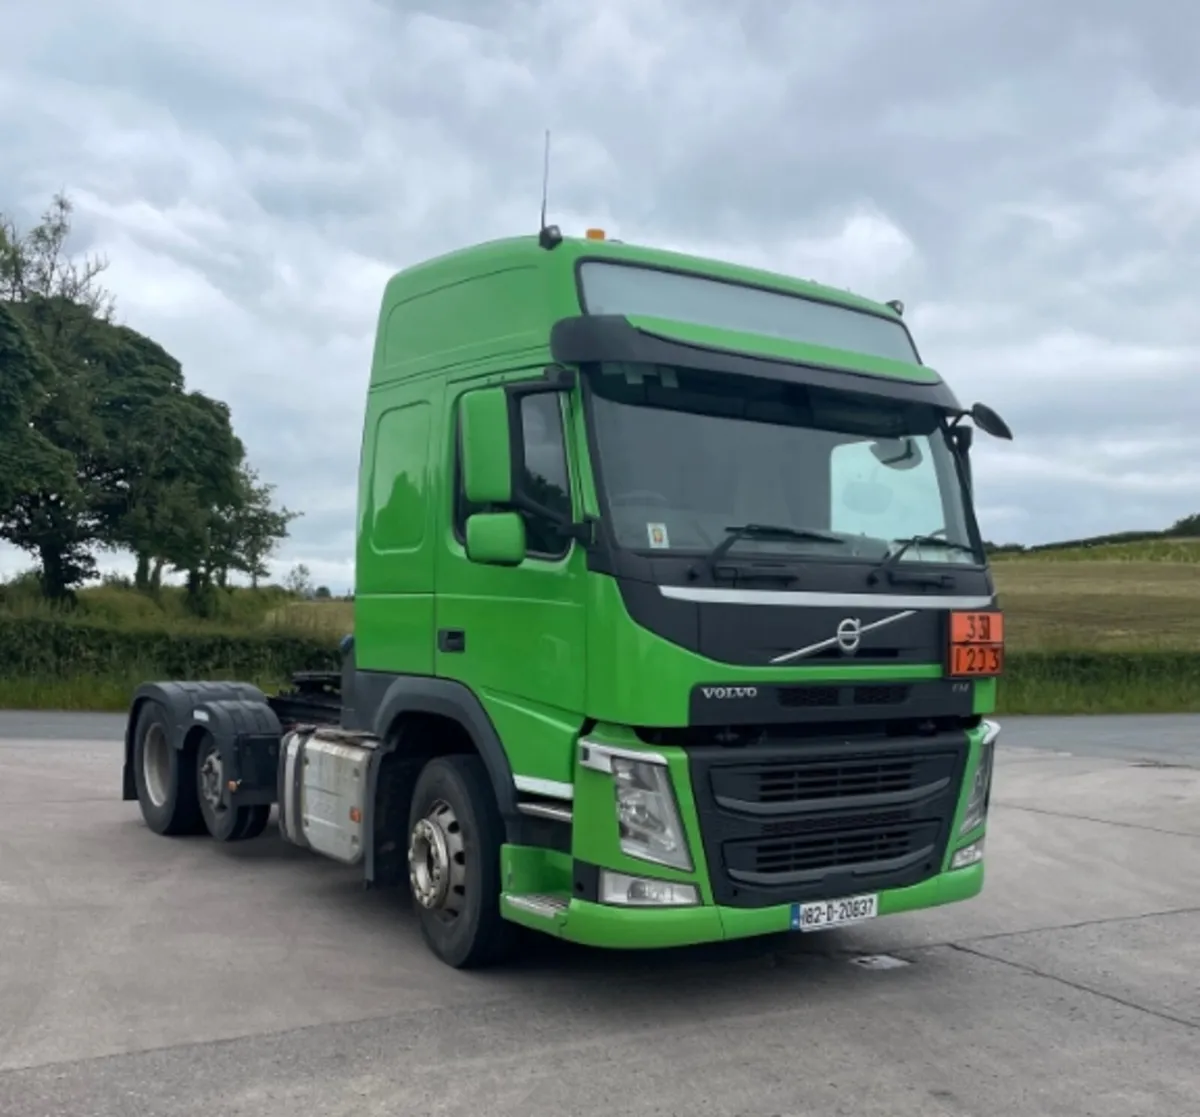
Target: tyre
x,y
223,821
454,836
163,775
254,822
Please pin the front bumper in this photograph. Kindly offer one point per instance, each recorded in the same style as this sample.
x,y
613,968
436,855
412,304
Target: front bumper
x,y
592,924
558,892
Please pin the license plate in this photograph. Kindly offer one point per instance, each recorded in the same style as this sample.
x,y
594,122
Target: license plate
x,y
823,914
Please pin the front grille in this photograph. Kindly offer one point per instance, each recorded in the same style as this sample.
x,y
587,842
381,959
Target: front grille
x,y
887,695
785,783
808,819
823,697
801,697
812,856
806,783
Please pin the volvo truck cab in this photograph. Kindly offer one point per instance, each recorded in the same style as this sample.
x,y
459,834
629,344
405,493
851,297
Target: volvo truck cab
x,y
673,620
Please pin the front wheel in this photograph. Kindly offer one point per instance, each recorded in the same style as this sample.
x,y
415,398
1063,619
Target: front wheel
x,y
454,836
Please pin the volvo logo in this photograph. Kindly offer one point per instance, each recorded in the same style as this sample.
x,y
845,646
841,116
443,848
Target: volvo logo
x,y
846,637
849,635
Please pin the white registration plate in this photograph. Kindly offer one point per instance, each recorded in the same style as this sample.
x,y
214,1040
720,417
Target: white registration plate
x,y
823,914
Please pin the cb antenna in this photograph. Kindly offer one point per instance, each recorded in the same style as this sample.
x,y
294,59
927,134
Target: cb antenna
x,y
549,236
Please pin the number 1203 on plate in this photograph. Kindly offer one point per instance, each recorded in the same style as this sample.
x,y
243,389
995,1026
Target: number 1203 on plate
x,y
821,915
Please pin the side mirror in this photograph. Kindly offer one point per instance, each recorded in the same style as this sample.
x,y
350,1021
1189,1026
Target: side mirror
x,y
496,538
487,460
989,422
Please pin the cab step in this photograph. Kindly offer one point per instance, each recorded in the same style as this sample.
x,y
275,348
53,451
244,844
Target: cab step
x,y
546,905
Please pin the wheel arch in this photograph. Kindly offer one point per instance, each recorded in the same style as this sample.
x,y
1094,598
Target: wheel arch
x,y
417,719
178,700
456,703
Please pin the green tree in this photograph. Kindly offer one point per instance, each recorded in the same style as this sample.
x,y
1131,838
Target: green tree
x,y
169,459
50,514
1186,528
299,581
25,377
101,445
61,307
249,529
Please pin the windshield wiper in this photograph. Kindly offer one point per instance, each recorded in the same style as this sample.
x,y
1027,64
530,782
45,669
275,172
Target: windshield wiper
x,y
888,562
764,531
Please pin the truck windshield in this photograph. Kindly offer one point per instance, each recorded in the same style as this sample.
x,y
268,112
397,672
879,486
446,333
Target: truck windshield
x,y
687,456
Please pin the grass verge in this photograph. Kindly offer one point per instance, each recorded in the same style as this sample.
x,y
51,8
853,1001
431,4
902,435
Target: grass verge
x,y
1035,683
1138,616
1100,683
104,693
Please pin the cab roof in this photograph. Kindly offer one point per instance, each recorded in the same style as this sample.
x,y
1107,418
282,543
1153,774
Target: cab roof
x,y
512,251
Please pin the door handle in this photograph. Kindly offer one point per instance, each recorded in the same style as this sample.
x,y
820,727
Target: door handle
x,y
452,640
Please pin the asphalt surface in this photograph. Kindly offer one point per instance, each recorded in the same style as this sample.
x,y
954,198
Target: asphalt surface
x,y
141,975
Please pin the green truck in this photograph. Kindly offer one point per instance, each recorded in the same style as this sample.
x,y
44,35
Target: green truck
x,y
672,619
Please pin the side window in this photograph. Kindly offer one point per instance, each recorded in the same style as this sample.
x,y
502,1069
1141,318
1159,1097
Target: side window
x,y
870,497
546,476
399,487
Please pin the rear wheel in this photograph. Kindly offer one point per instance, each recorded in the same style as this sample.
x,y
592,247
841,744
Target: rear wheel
x,y
254,822
455,833
164,779
225,822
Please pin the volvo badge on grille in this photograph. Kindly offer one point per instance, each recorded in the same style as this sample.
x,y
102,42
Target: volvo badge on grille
x,y
847,636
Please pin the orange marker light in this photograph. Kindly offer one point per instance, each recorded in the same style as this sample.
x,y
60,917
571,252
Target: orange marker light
x,y
595,234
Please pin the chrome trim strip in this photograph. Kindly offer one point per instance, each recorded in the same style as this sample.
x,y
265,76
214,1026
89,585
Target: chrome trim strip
x,y
833,641
810,598
546,810
599,757
552,789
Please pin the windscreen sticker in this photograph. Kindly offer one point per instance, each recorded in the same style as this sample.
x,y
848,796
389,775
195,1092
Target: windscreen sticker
x,y
658,536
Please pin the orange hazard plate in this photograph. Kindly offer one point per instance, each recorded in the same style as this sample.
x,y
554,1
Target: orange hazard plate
x,y
976,659
977,628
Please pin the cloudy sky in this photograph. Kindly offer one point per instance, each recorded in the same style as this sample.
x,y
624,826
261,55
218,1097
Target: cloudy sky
x,y
1024,175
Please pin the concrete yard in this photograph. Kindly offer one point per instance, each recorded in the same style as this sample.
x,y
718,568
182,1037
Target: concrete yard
x,y
143,975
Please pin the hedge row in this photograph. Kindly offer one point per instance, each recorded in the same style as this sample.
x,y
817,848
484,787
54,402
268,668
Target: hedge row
x,y
48,653
1114,669
40,648
1101,683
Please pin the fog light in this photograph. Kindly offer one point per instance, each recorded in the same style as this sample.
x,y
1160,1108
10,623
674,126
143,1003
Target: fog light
x,y
643,892
968,855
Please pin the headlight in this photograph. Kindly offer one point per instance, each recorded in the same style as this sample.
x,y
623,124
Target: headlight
x,y
981,786
648,819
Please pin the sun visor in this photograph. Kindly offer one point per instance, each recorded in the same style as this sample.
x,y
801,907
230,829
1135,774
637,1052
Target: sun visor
x,y
615,338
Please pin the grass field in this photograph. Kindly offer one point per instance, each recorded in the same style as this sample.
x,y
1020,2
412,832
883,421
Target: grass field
x,y
1124,605
1110,604
1100,606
